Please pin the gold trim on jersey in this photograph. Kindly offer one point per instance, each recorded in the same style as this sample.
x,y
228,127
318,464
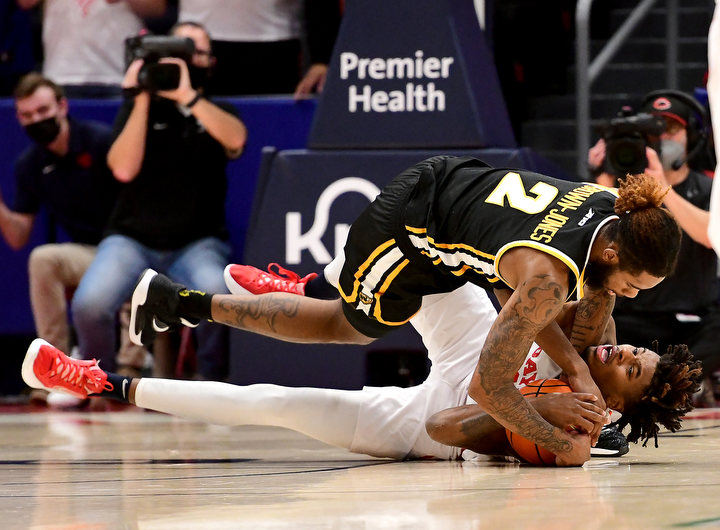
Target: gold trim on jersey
x,y
373,278
548,250
602,223
579,274
369,263
377,311
461,258
614,191
464,246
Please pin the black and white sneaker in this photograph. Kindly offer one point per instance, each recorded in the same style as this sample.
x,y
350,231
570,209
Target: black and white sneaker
x,y
611,443
154,307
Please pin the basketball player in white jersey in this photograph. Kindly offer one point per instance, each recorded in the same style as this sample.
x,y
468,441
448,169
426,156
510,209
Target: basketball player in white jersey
x,y
390,421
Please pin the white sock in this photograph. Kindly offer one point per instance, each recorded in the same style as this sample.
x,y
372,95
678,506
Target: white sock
x,y
324,414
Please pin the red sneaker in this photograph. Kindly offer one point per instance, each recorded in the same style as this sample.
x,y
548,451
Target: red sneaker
x,y
243,278
48,368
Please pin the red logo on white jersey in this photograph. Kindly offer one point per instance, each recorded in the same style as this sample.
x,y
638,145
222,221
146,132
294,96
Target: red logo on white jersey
x,y
85,6
528,371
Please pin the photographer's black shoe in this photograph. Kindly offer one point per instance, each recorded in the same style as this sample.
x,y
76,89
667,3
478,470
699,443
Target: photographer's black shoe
x,y
610,443
154,307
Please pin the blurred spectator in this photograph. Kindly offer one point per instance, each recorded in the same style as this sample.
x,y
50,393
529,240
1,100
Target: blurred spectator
x,y
65,171
683,309
172,148
83,42
16,46
258,45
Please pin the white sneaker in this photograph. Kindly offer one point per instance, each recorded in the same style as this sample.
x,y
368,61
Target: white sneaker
x,y
61,400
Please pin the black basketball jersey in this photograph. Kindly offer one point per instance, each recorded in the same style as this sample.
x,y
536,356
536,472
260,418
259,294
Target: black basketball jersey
x,y
464,216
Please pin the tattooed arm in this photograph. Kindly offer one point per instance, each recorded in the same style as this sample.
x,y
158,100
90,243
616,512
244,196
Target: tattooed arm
x,y
541,289
592,317
470,427
584,322
287,317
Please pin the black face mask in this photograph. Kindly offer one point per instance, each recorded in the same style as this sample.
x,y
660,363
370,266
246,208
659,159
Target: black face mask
x,y
44,131
198,76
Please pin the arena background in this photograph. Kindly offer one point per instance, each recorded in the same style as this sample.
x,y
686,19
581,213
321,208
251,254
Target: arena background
x,y
408,79
504,93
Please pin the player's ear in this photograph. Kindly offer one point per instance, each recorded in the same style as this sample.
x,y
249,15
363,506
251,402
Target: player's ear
x,y
610,255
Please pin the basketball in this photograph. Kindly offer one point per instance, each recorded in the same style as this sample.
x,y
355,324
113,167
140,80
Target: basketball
x,y
527,450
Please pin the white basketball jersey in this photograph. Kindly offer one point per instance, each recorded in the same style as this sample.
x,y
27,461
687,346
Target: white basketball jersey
x,y
537,365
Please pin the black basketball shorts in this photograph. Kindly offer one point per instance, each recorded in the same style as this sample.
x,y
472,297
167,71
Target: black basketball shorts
x,y
384,278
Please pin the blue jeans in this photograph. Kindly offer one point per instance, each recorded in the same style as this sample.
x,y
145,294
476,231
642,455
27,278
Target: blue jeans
x,y
111,278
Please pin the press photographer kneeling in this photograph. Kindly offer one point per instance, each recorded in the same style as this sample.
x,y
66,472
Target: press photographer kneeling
x,y
666,138
171,148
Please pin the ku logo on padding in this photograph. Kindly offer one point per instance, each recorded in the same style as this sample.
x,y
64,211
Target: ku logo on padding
x,y
296,241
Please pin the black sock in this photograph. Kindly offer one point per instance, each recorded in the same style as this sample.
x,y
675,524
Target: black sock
x,y
121,387
194,304
320,288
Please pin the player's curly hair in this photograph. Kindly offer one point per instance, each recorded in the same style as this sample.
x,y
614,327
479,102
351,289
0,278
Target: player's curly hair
x,y
668,398
647,235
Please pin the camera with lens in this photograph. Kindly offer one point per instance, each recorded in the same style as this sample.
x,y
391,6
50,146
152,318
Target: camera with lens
x,y
154,75
626,137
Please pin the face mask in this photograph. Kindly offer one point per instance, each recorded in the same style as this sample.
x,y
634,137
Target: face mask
x,y
670,151
198,76
44,131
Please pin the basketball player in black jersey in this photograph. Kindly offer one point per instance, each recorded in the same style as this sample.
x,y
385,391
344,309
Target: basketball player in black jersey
x,y
535,240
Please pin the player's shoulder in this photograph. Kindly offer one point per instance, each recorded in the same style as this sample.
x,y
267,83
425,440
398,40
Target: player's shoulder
x,y
523,264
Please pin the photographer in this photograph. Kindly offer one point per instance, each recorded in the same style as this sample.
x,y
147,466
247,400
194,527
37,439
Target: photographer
x,y
683,308
171,149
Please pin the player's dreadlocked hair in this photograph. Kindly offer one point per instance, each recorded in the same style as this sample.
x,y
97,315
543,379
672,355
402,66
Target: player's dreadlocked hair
x,y
647,235
668,398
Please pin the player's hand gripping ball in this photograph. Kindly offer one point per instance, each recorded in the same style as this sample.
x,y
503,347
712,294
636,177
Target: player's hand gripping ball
x,y
527,450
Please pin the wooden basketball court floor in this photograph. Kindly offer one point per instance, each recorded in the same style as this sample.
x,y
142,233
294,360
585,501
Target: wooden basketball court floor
x,y
134,469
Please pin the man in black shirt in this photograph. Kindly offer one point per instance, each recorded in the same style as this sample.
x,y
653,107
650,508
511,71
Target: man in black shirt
x,y
171,150
64,170
683,309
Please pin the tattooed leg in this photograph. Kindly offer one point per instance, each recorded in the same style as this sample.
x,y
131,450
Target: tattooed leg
x,y
287,317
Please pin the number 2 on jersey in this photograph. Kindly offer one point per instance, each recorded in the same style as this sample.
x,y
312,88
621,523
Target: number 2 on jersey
x,y
511,187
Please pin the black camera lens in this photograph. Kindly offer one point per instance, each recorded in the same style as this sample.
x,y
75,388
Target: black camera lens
x,y
159,76
625,155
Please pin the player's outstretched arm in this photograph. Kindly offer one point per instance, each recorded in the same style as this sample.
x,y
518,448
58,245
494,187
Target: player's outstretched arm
x,y
541,289
469,426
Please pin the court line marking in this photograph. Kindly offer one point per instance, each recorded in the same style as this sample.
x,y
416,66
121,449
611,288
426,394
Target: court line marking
x,y
195,477
699,522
